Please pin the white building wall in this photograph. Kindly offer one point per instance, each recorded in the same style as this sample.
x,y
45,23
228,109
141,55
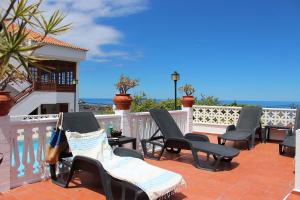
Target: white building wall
x,y
35,99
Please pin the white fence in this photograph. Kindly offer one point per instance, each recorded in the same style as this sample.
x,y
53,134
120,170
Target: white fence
x,y
214,119
28,136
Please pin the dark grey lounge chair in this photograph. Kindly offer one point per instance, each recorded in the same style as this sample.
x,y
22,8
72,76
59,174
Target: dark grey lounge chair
x,y
84,122
290,140
173,141
247,126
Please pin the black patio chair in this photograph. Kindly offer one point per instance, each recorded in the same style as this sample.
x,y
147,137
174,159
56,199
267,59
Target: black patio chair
x,y
290,140
173,141
247,127
84,122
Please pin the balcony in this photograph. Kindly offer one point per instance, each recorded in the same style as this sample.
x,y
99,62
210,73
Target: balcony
x,y
257,174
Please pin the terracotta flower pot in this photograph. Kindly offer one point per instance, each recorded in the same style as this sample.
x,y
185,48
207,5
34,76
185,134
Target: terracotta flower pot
x,y
188,101
5,103
123,101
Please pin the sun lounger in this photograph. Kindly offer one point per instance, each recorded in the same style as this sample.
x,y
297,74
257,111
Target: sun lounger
x,y
247,126
173,141
85,122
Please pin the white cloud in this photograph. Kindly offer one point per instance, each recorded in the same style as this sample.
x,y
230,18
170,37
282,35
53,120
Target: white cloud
x,y
86,30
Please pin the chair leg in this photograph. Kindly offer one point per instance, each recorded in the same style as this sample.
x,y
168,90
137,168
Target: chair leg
x,y
281,151
123,192
161,153
70,175
200,164
248,144
221,141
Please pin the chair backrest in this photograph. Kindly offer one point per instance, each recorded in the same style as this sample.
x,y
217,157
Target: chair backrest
x,y
297,120
166,123
81,122
249,118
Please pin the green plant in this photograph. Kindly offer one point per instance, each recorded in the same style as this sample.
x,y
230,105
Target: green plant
x,y
208,100
169,104
141,103
125,83
17,22
188,89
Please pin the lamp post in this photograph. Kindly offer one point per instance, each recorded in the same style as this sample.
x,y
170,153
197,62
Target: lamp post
x,y
75,82
175,78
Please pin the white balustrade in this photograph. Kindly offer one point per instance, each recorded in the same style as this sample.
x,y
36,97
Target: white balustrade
x,y
28,139
214,119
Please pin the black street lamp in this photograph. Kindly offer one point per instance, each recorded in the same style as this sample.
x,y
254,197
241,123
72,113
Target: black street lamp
x,y
175,78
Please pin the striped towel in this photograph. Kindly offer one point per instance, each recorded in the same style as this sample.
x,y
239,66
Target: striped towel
x,y
154,181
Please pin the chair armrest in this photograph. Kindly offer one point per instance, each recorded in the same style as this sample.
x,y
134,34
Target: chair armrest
x,y
178,143
125,152
196,137
230,128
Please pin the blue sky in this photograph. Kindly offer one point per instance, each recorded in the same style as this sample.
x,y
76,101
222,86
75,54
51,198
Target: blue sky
x,y
231,49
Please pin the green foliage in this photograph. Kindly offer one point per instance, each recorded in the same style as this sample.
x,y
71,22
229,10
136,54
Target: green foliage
x,y
141,103
208,101
169,104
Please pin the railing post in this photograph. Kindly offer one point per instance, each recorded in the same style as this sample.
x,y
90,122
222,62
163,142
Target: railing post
x,y
125,121
189,121
297,163
5,149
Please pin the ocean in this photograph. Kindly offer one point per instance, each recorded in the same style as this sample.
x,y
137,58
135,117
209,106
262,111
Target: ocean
x,y
265,104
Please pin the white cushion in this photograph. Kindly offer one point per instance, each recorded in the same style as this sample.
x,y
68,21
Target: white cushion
x,y
94,144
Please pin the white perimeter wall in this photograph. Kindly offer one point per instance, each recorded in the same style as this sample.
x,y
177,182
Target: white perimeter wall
x,y
36,98
220,129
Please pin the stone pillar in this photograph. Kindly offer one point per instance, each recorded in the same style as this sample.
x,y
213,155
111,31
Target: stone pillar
x,y
297,162
5,148
189,121
125,122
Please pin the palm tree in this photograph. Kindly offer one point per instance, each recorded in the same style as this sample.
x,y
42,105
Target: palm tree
x,y
16,22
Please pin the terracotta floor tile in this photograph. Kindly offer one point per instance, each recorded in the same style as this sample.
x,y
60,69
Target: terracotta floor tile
x,y
260,173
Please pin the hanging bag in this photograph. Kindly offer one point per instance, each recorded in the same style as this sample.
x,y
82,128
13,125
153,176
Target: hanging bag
x,y
56,145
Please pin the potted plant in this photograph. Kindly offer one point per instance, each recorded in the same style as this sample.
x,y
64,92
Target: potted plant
x,y
188,100
123,100
17,22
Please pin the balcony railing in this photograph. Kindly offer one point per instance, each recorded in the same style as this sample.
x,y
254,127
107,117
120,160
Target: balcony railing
x,y
53,86
214,119
225,115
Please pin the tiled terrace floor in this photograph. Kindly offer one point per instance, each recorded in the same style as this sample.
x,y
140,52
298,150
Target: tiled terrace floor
x,y
257,174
